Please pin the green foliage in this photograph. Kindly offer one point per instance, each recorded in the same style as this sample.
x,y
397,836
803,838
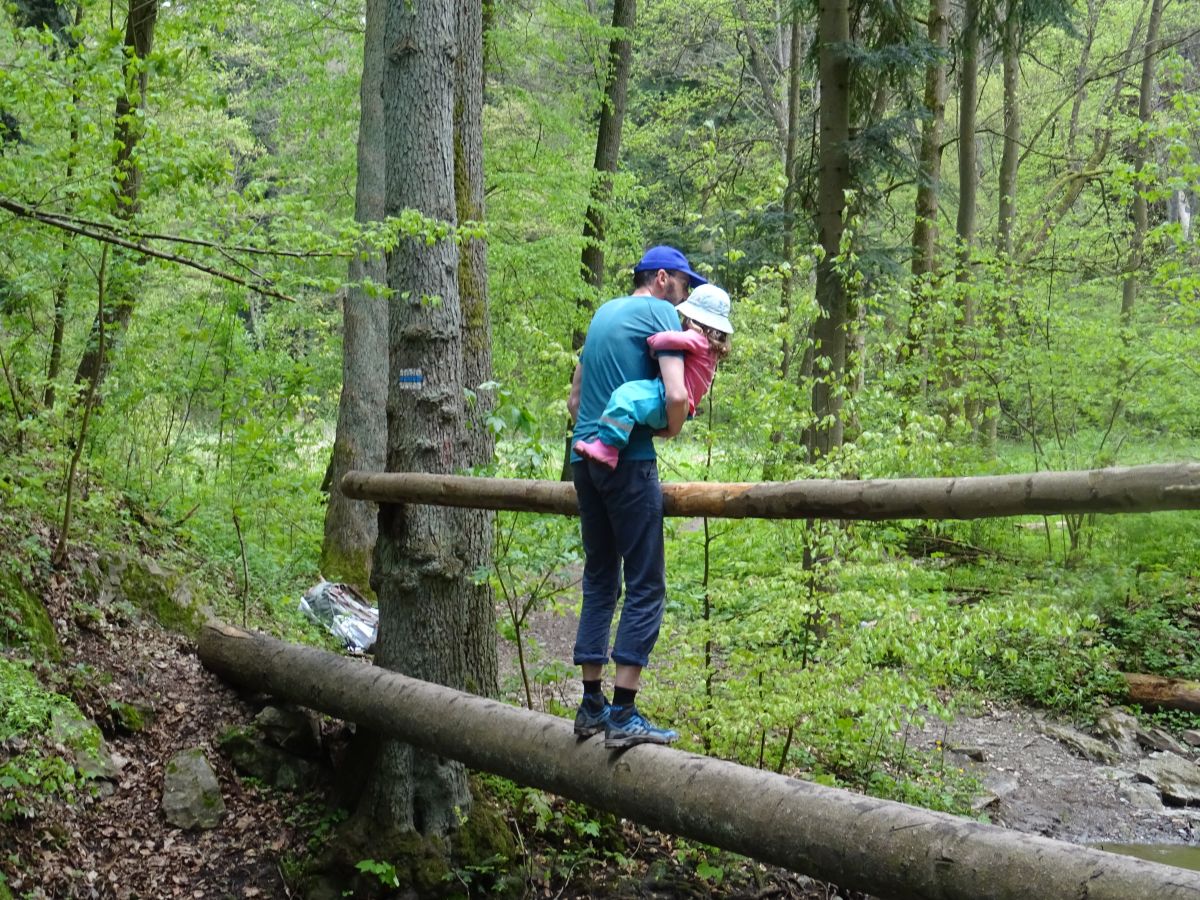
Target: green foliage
x,y
1153,626
32,774
384,871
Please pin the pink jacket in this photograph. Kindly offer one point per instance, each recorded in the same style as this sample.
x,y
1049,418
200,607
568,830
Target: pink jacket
x,y
699,361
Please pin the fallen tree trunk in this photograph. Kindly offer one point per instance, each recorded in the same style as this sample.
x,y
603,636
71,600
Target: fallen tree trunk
x,y
887,849
1114,490
1157,692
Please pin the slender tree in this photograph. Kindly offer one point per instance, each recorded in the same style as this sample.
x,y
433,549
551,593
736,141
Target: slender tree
x,y
361,435
129,127
1139,212
608,144
833,178
1010,48
791,192
54,366
929,163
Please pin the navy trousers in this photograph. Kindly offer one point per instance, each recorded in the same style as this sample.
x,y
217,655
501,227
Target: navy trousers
x,y
621,522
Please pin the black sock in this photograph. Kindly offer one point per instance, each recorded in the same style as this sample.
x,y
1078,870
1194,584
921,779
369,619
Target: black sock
x,y
591,687
624,696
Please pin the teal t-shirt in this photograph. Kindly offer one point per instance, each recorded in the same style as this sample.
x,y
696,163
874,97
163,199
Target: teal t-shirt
x,y
615,352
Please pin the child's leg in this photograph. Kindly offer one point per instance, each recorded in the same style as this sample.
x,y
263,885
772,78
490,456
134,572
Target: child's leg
x,y
633,403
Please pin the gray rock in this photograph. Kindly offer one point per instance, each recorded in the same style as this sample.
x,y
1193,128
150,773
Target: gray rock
x,y
291,729
81,738
978,754
253,756
143,583
191,793
1002,784
1191,737
1158,739
1082,744
1141,796
1177,779
1120,729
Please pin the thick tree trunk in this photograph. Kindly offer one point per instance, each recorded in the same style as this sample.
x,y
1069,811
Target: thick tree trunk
x,y
361,437
888,849
833,177
475,550
422,583
1113,490
1157,692
608,146
139,39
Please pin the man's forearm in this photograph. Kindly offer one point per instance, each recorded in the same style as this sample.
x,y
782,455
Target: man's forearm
x,y
573,398
677,411
675,394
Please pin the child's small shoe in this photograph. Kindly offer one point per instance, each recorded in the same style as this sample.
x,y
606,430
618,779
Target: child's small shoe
x,y
598,451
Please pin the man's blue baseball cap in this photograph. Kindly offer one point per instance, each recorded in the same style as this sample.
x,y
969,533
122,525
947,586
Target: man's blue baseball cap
x,y
664,257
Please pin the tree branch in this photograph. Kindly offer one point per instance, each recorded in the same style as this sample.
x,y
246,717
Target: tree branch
x,y
97,233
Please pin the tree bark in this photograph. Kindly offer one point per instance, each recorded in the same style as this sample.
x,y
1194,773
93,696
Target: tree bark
x,y
882,847
422,583
929,171
1157,692
479,641
833,177
139,39
1112,490
360,440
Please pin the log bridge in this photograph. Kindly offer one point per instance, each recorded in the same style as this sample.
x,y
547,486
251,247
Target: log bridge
x,y
1124,489
887,849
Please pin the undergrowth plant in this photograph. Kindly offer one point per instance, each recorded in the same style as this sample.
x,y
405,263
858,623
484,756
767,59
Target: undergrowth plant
x,y
32,772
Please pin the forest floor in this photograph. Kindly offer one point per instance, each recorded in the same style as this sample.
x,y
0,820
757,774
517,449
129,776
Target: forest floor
x,y
117,843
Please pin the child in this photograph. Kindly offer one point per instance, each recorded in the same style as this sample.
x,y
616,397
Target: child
x,y
704,341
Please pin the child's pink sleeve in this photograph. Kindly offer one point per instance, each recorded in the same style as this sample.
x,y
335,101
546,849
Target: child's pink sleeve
x,y
688,341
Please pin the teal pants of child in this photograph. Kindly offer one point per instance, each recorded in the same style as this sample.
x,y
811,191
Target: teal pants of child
x,y
633,403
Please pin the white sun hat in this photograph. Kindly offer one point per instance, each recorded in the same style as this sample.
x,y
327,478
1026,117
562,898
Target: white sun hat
x,y
708,305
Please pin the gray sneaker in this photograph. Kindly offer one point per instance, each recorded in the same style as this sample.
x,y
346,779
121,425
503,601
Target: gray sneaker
x,y
627,727
591,717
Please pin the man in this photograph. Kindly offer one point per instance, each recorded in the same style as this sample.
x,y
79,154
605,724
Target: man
x,y
620,510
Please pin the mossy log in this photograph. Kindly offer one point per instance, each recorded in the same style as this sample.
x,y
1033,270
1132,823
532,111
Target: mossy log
x,y
1113,490
1157,692
884,848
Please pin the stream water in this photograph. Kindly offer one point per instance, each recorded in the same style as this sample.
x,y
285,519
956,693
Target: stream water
x,y
1183,856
